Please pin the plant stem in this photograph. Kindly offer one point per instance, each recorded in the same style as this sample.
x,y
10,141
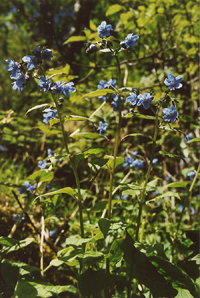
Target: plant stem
x,y
141,201
74,168
182,212
116,144
41,246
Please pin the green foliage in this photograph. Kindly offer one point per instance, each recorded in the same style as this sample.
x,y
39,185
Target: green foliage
x,y
147,245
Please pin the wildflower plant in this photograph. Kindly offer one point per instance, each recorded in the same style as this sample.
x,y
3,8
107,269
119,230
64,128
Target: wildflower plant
x,y
110,250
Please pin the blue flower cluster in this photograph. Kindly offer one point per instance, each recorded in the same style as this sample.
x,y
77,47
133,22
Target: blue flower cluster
x,y
3,148
42,164
111,84
104,29
31,63
137,164
170,114
49,114
130,41
191,175
28,187
172,82
141,100
102,127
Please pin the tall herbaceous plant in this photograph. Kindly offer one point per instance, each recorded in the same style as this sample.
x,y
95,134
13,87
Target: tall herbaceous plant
x,y
107,250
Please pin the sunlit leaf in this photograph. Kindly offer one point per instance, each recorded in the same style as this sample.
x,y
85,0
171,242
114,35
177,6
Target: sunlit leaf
x,y
75,39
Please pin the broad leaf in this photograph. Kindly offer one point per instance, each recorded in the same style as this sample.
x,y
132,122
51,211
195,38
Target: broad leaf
x,y
65,190
113,9
32,289
18,245
41,176
100,92
38,107
75,39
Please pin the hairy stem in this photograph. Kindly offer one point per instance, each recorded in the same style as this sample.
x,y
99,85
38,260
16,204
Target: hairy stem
x,y
141,201
65,138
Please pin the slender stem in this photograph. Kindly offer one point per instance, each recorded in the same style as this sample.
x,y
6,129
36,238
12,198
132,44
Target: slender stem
x,y
41,246
116,144
74,168
141,201
182,212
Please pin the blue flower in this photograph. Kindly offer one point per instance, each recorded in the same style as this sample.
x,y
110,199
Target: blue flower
x,y
198,109
114,104
125,197
14,67
155,162
32,62
28,187
42,164
37,53
49,152
145,100
68,88
49,114
53,234
21,81
3,148
130,41
46,55
45,84
132,99
138,164
128,162
102,127
191,175
171,114
104,85
104,30
172,82
91,49
167,178
135,152
58,88
188,137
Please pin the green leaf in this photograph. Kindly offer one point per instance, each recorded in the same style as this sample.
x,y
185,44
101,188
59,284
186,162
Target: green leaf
x,y
119,160
65,190
75,39
139,267
99,92
113,9
173,274
193,140
99,206
93,26
88,135
137,134
18,245
75,118
99,162
136,115
76,240
171,129
56,262
91,282
170,154
104,225
53,121
169,194
93,151
182,293
32,289
41,176
6,241
38,107
177,184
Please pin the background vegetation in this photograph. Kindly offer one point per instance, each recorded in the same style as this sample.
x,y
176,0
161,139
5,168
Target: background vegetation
x,y
168,32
